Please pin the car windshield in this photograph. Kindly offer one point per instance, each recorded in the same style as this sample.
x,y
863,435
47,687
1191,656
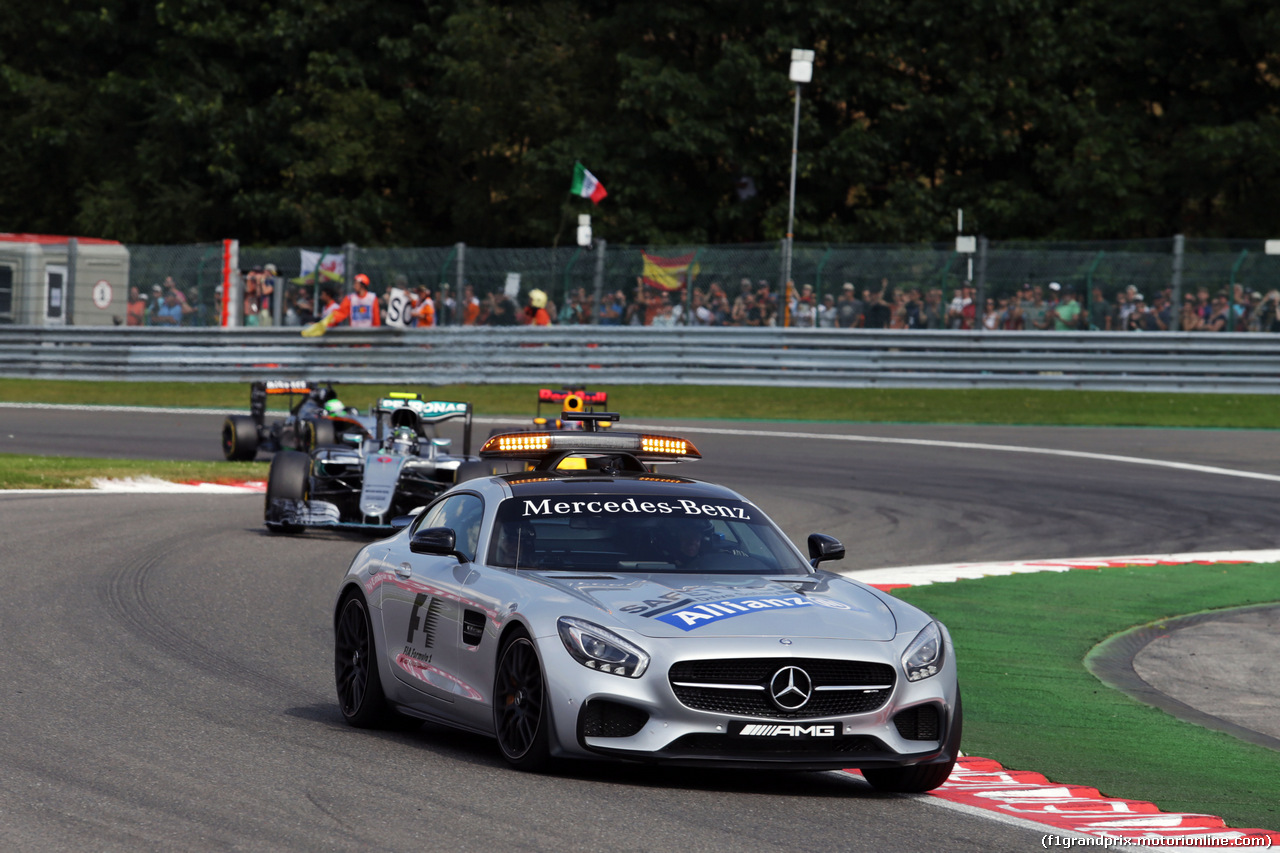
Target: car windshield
x,y
620,533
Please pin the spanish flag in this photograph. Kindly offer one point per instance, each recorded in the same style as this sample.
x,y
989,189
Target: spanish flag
x,y
668,273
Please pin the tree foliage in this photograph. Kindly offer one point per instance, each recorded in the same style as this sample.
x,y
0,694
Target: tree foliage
x,y
424,122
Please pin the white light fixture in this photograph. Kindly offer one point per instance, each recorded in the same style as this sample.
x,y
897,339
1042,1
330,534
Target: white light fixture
x,y
801,66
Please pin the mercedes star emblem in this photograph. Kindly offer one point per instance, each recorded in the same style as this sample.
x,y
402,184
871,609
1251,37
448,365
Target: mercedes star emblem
x,y
791,688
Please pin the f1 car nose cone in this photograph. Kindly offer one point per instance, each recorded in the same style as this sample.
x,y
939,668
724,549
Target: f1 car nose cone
x,y
790,688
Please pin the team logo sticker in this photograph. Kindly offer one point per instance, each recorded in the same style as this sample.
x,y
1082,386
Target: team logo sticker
x,y
697,615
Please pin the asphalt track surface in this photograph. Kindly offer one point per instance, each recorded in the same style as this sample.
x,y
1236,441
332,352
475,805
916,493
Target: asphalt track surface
x,y
168,663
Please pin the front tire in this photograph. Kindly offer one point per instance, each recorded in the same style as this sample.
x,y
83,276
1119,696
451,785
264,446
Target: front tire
x,y
288,479
239,438
355,668
521,714
921,777
319,433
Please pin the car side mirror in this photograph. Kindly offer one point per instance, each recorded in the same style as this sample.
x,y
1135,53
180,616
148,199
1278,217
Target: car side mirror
x,y
441,541
823,547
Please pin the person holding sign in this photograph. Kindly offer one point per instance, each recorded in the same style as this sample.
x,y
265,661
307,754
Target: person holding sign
x,y
424,311
360,309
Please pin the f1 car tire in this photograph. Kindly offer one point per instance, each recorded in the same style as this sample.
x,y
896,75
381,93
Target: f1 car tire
x,y
355,668
921,777
287,480
521,716
319,434
239,438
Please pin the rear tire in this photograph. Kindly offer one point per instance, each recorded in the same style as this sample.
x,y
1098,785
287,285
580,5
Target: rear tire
x,y
355,668
521,714
239,438
288,480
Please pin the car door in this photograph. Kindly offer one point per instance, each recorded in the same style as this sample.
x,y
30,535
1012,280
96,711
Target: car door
x,y
421,605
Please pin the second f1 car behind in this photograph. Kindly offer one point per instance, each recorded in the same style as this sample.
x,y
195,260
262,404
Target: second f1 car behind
x,y
398,463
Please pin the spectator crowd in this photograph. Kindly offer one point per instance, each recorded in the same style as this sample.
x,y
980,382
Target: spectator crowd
x,y
1033,307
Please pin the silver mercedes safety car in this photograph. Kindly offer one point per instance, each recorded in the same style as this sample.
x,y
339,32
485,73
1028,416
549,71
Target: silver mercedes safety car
x,y
571,601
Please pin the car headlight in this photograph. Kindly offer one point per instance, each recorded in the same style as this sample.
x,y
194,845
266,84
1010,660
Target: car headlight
x,y
923,657
600,649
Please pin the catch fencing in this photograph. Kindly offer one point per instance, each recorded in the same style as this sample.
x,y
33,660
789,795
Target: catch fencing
x,y
606,356
1094,268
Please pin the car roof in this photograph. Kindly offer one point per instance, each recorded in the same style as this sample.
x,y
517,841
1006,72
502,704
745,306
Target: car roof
x,y
625,483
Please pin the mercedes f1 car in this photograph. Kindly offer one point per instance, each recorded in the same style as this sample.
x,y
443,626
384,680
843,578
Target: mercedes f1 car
x,y
581,604
316,418
399,463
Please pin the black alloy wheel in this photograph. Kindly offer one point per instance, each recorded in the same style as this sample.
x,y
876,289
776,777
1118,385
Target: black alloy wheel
x,y
355,669
520,714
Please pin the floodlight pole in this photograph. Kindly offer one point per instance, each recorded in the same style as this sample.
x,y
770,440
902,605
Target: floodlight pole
x,y
801,72
791,205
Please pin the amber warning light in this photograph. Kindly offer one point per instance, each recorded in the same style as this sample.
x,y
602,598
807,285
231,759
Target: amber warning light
x,y
524,444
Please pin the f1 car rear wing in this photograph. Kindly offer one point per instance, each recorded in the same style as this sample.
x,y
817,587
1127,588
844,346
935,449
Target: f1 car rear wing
x,y
572,401
260,390
587,398
589,449
409,409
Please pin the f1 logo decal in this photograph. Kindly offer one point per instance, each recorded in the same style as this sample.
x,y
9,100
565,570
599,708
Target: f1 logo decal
x,y
422,616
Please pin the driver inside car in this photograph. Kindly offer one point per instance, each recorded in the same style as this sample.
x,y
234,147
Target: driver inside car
x,y
690,539
404,441
516,543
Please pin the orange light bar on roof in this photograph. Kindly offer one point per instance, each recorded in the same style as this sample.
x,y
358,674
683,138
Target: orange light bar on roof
x,y
665,444
652,447
518,442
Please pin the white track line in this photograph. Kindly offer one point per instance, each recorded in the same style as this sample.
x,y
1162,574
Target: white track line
x,y
816,436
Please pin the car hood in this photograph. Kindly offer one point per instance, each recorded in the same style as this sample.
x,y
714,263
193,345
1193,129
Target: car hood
x,y
675,605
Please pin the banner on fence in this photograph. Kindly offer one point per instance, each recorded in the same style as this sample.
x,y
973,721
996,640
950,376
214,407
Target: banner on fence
x,y
668,273
332,268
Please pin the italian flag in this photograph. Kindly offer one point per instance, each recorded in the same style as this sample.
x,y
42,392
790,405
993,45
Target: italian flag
x,y
586,185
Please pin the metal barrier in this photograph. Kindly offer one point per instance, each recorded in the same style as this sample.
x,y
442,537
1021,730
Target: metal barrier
x,y
1246,363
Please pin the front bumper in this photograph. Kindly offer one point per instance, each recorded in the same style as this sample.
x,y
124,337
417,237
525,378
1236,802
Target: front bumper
x,y
605,716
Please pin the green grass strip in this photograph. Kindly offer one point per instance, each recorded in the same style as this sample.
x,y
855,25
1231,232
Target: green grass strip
x,y
18,471
1030,703
857,405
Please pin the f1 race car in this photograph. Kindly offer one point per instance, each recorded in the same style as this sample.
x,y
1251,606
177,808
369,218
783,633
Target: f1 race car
x,y
317,418
571,401
400,463
584,605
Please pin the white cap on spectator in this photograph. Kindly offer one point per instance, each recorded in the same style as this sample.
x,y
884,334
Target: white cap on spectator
x,y
1054,286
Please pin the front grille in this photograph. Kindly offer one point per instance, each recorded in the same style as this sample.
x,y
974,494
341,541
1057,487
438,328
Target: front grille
x,y
602,718
697,686
726,745
918,723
